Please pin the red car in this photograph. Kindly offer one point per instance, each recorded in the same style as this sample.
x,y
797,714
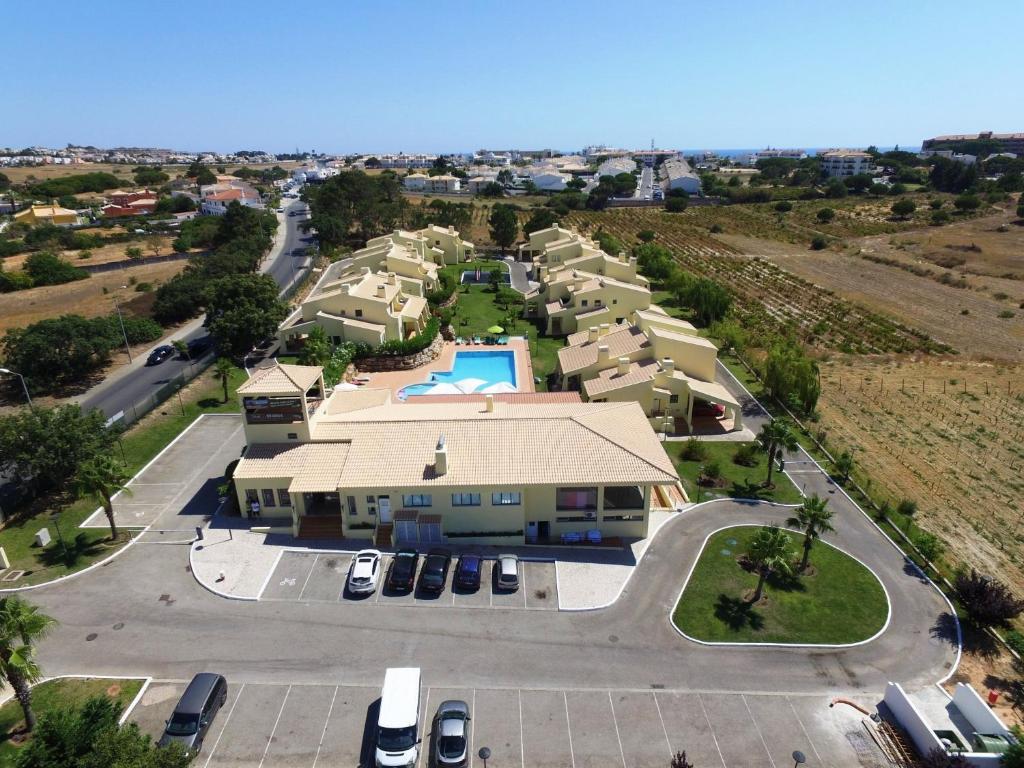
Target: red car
x,y
704,408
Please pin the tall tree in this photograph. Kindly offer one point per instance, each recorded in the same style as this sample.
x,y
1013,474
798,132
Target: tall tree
x,y
21,626
815,518
244,309
775,437
102,477
317,348
768,552
503,225
844,465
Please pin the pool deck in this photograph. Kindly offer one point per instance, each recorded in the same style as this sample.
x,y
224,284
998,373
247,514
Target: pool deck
x,y
395,380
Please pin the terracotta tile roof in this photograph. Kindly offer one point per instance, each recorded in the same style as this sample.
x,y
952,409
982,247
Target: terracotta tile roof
x,y
582,354
310,466
610,378
281,379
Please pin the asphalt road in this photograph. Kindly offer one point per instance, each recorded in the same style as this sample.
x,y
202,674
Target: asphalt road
x,y
126,387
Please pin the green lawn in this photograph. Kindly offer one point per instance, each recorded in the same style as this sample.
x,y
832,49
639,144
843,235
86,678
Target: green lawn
x,y
841,601
60,693
141,443
739,481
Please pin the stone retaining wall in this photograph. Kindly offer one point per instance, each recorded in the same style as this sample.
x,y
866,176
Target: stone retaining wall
x,y
403,362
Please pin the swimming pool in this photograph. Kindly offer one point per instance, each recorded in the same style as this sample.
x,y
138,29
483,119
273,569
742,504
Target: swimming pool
x,y
491,367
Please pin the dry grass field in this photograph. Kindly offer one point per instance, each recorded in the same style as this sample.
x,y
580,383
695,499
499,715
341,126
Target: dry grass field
x,y
104,255
946,433
29,173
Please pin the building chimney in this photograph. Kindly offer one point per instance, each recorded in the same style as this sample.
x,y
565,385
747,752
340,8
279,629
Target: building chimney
x,y
632,262
623,366
391,278
451,229
604,329
668,365
380,290
556,225
603,353
593,332
440,456
622,256
489,401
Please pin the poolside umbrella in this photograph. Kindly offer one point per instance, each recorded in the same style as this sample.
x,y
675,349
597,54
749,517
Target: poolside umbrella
x,y
344,386
495,329
444,388
469,385
499,388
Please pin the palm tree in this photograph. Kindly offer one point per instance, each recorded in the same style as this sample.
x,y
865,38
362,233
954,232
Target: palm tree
x,y
814,517
102,477
775,437
21,625
768,551
222,371
844,465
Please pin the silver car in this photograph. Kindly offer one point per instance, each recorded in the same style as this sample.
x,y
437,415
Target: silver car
x,y
508,572
451,734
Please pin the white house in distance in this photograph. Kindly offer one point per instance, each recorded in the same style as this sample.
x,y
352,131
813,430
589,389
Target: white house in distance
x,y
837,163
677,174
421,182
613,166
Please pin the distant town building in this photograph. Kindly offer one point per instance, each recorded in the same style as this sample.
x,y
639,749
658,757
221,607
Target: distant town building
x,y
957,142
613,166
47,214
767,154
443,184
677,174
949,154
839,163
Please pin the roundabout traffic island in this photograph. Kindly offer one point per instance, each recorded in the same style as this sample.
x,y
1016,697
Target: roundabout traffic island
x,y
747,587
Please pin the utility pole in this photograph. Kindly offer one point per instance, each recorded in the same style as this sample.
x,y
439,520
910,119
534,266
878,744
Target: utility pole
x,y
124,333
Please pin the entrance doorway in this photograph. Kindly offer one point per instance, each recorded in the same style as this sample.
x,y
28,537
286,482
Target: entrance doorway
x,y
543,530
384,509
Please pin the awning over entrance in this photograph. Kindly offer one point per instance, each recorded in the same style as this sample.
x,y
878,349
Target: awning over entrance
x,y
714,392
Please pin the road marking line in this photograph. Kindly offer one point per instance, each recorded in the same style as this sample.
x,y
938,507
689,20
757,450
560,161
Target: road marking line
x,y
472,730
801,722
270,738
615,720
522,742
327,720
668,741
306,582
423,730
758,729
524,585
266,581
225,726
712,729
568,728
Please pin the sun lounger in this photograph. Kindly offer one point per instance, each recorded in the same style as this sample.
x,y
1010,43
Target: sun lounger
x,y
503,339
459,340
490,340
477,340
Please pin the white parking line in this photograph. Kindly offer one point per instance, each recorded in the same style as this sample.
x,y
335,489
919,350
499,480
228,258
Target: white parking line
x,y
472,731
568,728
712,729
522,740
524,585
270,739
308,575
801,722
615,720
663,728
225,726
423,730
758,729
327,720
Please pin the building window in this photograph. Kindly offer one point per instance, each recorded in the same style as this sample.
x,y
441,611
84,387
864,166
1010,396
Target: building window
x,y
583,302
506,498
351,500
284,498
293,435
268,497
673,398
574,519
417,500
623,497
251,495
623,518
371,499
575,498
465,500
359,313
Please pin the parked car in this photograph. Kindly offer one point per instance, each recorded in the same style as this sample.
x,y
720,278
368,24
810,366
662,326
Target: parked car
x,y
434,573
467,572
705,408
451,729
194,713
161,353
364,572
508,572
402,575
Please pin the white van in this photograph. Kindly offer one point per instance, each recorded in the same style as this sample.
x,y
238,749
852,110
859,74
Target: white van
x,y
398,722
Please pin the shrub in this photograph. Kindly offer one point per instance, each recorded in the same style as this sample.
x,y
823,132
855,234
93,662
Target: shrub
x,y
783,206
747,455
907,507
903,208
938,218
929,544
966,202
675,204
411,346
712,470
935,203
825,215
1015,640
818,243
143,287
46,268
646,235
1005,314
693,450
987,601
715,229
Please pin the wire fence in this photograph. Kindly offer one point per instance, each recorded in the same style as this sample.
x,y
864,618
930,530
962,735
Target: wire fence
x,y
170,389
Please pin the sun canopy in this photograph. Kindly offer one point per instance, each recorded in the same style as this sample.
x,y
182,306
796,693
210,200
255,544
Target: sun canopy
x,y
469,385
499,388
444,388
495,329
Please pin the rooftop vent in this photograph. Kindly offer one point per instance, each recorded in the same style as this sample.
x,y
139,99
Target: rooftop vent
x,y
441,456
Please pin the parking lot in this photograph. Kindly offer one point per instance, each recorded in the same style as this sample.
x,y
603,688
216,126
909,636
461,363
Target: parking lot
x,y
324,725
320,577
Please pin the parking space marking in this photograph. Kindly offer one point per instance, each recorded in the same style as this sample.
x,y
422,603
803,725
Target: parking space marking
x,y
568,727
712,729
270,573
615,720
423,729
802,728
308,575
523,569
664,730
270,739
225,726
522,740
758,729
472,731
327,720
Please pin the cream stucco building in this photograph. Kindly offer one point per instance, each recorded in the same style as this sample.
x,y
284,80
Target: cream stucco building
x,y
355,464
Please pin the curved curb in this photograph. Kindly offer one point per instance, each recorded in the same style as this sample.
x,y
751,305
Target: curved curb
x,y
664,525
207,587
727,644
76,574
127,710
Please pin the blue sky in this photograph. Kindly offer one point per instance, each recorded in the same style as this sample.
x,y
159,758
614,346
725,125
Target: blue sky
x,y
347,76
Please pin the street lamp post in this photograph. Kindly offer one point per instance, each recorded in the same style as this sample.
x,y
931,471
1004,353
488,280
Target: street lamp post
x,y
123,331
484,754
24,386
798,758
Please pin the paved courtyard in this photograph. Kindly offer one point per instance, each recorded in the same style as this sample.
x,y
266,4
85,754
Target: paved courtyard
x,y
320,577
295,726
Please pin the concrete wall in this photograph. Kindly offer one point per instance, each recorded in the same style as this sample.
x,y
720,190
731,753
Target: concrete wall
x,y
977,712
912,721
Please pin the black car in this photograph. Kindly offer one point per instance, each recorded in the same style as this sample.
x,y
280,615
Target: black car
x,y
434,574
402,575
467,572
193,715
160,354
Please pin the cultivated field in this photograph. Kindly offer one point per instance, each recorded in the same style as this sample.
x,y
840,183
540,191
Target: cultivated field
x,y
946,433
31,173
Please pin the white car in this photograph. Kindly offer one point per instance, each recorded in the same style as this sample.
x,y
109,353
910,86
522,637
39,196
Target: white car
x,y
364,573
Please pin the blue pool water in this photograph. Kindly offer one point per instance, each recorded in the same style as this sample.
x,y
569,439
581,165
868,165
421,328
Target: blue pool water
x,y
492,367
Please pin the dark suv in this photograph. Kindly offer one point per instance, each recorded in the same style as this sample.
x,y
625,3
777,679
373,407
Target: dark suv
x,y
435,570
402,575
467,572
192,717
